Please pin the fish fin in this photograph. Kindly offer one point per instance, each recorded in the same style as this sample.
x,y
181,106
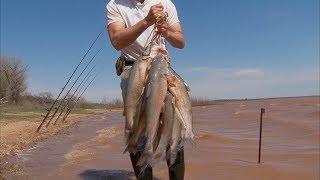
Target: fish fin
x,y
141,96
128,137
180,117
189,134
130,148
173,154
127,149
142,170
144,161
173,100
148,91
127,145
187,86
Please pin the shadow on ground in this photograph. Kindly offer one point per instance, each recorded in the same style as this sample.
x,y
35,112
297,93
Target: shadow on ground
x,y
109,174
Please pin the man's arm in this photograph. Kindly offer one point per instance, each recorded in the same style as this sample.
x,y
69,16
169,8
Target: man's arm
x,y
121,37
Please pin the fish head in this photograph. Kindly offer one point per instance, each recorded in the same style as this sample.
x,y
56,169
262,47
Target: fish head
x,y
171,79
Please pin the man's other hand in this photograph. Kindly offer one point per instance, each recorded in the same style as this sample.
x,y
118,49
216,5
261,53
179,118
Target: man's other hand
x,y
163,29
173,34
154,12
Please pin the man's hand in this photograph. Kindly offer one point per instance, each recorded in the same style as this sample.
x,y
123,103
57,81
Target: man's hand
x,y
163,29
154,12
173,34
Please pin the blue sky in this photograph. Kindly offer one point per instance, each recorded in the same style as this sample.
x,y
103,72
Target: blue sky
x,y
235,49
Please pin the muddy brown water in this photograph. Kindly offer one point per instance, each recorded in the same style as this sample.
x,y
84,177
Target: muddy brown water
x,y
226,145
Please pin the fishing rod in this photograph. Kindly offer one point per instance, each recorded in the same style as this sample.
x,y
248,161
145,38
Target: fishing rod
x,y
74,71
76,101
66,95
74,93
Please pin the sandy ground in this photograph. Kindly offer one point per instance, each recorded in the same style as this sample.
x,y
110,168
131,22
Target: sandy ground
x,y
17,135
226,145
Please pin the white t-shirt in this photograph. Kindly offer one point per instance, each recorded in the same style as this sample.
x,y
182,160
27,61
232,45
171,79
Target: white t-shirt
x,y
130,12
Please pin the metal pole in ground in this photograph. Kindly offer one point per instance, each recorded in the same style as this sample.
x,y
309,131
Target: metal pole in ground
x,y
260,136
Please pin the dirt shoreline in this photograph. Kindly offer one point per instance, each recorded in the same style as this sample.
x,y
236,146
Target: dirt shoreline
x,y
16,135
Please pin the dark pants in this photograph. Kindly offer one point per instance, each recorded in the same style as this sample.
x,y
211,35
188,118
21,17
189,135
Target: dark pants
x,y
176,170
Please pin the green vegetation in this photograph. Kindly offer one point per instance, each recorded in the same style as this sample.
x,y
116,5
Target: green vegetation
x,y
20,114
27,114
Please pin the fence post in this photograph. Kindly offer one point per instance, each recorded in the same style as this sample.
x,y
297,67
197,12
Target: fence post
x,y
260,136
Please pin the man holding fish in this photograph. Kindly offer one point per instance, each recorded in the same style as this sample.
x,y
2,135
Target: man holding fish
x,y
146,83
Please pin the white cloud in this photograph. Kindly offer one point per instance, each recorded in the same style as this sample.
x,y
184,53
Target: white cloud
x,y
253,82
198,69
250,72
227,72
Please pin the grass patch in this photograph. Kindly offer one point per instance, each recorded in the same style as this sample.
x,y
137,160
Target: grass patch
x,y
22,110
28,114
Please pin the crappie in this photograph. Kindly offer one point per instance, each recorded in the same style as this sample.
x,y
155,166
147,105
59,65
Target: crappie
x,y
155,95
182,102
135,89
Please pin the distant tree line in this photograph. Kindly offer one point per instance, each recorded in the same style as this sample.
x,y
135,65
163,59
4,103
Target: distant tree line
x,y
13,75
13,86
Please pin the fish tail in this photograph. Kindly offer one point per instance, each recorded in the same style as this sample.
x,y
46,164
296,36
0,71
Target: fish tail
x,y
144,160
189,134
180,117
173,154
